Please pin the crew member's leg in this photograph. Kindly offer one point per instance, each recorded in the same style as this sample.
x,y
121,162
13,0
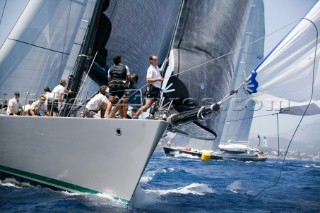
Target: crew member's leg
x,y
124,107
144,108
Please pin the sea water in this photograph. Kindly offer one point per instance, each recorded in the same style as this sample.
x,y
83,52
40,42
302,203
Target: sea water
x,y
187,184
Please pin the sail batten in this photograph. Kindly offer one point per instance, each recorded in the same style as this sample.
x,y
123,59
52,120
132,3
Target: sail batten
x,y
57,51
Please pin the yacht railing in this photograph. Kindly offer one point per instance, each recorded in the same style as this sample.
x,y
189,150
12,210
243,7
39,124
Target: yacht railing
x,y
78,105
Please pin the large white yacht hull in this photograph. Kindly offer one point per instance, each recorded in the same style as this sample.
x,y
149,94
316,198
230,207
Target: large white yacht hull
x,y
74,154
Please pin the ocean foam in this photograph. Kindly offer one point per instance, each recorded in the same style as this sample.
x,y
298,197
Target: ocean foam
x,y
234,187
194,188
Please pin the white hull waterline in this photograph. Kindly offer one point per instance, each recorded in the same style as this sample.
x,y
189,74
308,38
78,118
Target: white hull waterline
x,y
74,154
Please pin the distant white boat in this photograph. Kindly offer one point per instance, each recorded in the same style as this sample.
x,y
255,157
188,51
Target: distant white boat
x,y
242,152
229,151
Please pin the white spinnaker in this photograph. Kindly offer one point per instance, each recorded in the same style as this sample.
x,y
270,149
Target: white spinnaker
x,y
288,77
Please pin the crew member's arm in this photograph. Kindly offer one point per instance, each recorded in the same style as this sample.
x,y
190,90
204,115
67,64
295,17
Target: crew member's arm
x,y
152,80
11,110
128,76
33,108
20,108
109,76
60,97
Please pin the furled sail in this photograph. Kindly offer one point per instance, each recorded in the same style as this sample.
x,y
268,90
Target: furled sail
x,y
288,78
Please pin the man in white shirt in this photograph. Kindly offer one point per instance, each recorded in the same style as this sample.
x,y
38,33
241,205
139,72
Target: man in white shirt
x,y
154,80
27,107
39,107
98,103
57,96
14,105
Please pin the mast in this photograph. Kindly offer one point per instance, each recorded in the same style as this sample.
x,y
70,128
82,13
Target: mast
x,y
84,59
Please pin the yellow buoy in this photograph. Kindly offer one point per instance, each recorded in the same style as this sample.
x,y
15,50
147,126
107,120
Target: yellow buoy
x,y
205,156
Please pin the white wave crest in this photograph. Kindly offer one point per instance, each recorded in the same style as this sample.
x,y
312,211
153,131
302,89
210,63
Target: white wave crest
x,y
13,183
147,176
184,155
96,199
194,188
234,187
313,165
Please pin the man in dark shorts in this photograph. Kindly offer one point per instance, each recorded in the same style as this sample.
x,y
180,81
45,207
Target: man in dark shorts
x,y
118,79
154,80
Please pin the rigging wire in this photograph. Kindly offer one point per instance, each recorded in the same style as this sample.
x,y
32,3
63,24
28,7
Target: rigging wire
x,y
4,7
80,90
226,54
258,116
242,47
229,53
302,117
